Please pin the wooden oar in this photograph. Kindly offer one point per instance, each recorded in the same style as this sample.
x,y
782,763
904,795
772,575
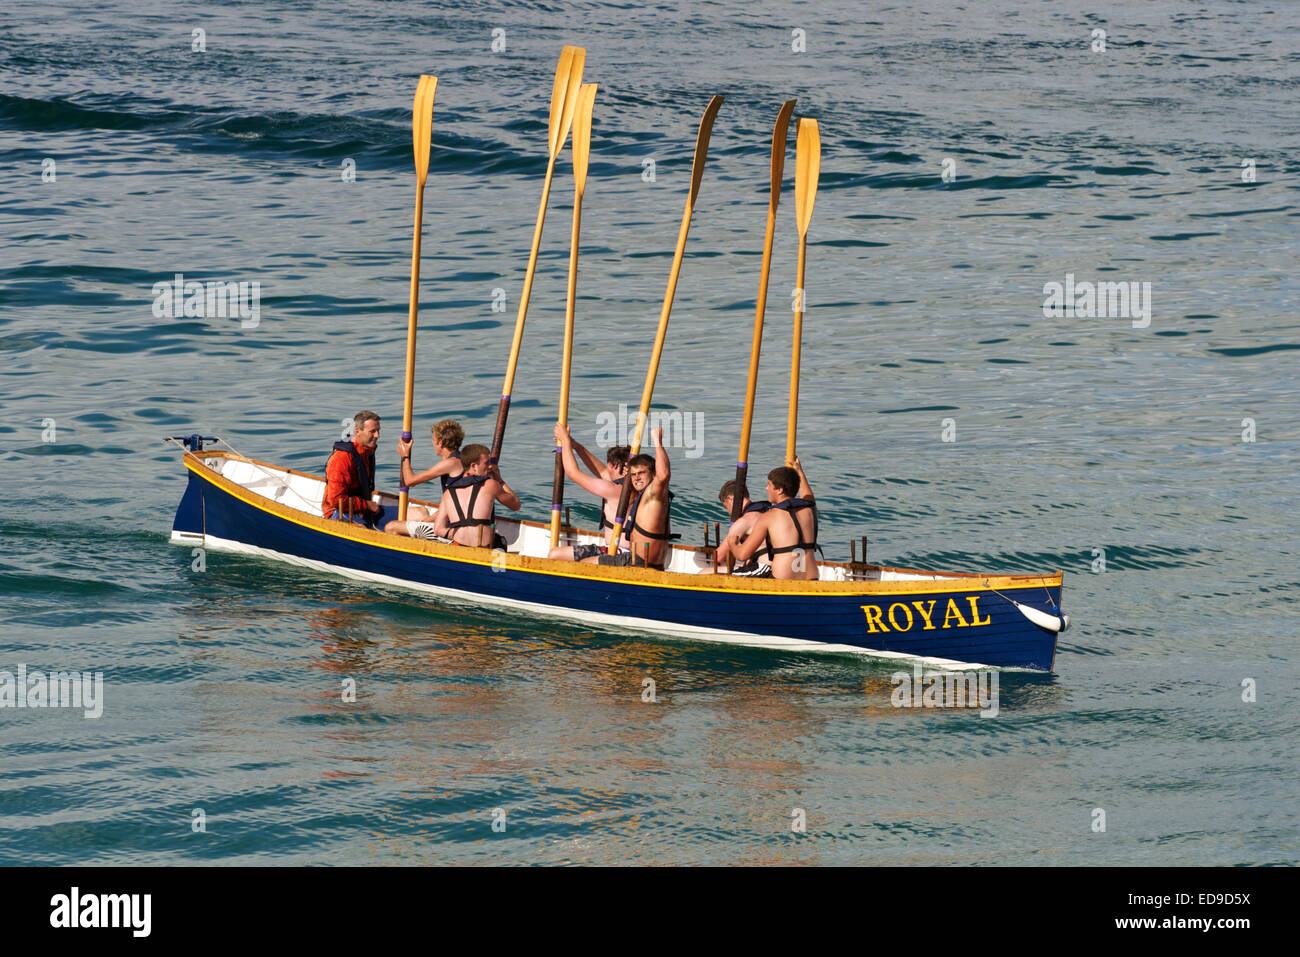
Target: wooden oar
x,y
581,151
564,99
808,164
421,133
697,173
778,169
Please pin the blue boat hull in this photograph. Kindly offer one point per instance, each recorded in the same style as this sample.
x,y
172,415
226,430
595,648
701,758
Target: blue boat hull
x,y
962,619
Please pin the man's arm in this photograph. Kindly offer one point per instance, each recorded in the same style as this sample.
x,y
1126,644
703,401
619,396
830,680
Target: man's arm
x,y
596,486
593,464
740,528
502,492
745,550
443,518
805,490
663,468
409,478
445,467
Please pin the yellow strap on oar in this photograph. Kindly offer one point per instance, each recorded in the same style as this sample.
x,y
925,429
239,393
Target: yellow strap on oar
x,y
808,164
581,153
697,173
779,135
564,100
421,135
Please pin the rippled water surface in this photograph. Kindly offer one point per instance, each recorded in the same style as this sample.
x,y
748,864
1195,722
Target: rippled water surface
x,y
1078,441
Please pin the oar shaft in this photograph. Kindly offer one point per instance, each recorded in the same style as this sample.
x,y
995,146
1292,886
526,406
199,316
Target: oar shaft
x,y
503,412
697,174
412,322
742,460
557,488
794,354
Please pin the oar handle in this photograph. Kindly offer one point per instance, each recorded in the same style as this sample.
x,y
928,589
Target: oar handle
x,y
557,497
401,473
738,500
499,435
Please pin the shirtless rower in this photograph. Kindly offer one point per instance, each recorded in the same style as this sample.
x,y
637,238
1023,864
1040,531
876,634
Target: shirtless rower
x,y
740,529
466,511
605,483
646,527
447,437
790,526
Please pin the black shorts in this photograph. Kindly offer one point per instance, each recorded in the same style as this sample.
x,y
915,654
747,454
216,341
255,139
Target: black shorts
x,y
627,558
583,552
752,569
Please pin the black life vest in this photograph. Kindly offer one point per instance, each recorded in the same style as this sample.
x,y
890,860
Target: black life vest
x,y
790,506
604,522
630,525
762,506
466,520
447,479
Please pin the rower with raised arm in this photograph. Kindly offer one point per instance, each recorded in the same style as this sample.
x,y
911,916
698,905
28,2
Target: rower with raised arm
x,y
447,437
649,511
605,482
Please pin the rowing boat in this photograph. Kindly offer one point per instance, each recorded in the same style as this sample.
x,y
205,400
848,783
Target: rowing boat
x,y
946,619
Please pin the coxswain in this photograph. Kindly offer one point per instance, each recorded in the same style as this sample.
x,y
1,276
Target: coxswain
x,y
350,475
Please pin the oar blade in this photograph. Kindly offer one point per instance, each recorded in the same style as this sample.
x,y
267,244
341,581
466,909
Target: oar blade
x,y
582,135
808,165
779,135
702,145
564,95
422,125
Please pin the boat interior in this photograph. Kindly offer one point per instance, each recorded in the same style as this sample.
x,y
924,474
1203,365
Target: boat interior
x,y
304,492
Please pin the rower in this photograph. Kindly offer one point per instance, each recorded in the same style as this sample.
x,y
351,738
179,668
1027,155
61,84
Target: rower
x,y
649,511
607,483
447,437
471,500
789,526
739,531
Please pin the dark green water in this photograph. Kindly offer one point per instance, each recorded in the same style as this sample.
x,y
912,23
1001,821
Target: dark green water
x,y
925,303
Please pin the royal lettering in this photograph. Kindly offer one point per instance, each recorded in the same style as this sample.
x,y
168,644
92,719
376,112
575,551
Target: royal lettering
x,y
898,616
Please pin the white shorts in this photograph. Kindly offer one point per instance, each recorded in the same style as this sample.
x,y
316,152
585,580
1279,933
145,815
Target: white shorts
x,y
425,530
